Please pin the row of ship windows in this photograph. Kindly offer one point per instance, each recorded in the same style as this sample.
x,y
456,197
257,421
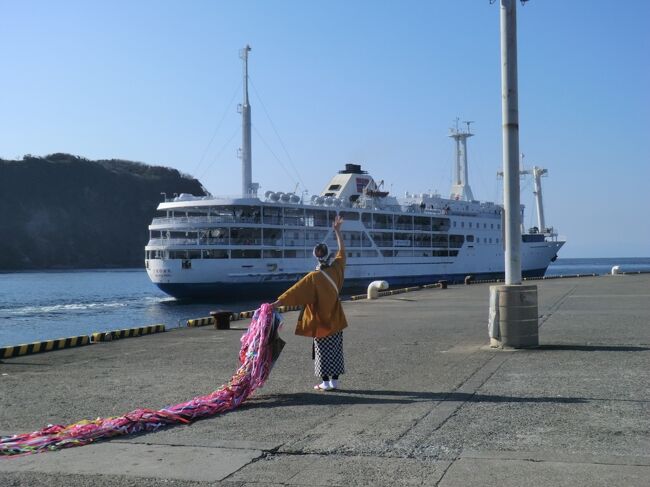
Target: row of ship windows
x,y
309,217
486,240
188,255
321,218
300,238
478,225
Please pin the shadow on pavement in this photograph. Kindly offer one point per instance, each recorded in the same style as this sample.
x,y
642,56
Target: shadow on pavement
x,y
593,348
348,397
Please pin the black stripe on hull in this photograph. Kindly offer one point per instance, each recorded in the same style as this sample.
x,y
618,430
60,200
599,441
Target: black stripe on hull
x,y
269,291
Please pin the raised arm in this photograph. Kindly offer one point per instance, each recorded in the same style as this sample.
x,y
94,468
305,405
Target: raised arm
x,y
338,221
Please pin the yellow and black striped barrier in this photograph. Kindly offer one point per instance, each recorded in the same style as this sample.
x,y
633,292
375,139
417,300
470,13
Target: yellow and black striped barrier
x,y
249,314
210,320
44,346
359,297
399,291
284,309
201,321
126,333
78,341
236,316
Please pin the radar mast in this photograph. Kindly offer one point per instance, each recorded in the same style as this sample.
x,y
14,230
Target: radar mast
x,y
248,187
460,189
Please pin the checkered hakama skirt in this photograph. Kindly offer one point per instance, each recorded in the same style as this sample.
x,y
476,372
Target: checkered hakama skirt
x,y
328,355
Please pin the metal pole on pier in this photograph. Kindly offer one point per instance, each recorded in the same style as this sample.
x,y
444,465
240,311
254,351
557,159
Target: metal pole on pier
x,y
513,321
510,115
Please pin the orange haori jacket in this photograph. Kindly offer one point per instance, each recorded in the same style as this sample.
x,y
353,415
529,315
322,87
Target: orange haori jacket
x,y
323,314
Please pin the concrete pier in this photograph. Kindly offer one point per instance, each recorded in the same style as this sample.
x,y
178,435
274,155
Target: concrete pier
x,y
425,400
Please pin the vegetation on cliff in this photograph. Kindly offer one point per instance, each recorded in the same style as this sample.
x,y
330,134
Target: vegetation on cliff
x,y
64,212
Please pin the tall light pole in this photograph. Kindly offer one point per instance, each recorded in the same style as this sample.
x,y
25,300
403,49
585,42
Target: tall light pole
x,y
510,116
513,319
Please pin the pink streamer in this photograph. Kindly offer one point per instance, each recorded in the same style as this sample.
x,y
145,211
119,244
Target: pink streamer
x,y
256,361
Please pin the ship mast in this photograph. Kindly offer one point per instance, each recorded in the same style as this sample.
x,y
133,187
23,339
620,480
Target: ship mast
x,y
537,173
248,187
460,189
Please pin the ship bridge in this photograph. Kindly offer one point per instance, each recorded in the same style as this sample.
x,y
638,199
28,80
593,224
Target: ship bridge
x,y
350,183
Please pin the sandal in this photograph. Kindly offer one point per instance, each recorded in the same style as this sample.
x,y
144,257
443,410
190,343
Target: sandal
x,y
323,386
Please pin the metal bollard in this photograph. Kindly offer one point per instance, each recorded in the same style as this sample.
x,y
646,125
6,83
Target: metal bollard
x,y
375,287
221,319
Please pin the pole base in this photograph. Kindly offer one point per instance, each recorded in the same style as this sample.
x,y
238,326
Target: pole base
x,y
513,319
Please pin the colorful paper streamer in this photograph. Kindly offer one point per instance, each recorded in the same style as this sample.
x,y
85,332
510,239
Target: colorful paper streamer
x,y
260,347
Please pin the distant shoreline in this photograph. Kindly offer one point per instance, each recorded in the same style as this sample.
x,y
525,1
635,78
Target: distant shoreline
x,y
76,269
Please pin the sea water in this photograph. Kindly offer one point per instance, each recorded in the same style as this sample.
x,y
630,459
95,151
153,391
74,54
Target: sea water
x,y
564,267
37,306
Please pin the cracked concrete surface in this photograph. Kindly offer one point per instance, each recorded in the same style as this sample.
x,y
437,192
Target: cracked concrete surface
x,y
424,400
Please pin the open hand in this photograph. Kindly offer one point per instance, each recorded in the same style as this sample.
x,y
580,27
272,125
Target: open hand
x,y
338,221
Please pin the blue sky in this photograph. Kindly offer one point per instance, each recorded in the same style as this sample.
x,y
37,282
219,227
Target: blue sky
x,y
373,82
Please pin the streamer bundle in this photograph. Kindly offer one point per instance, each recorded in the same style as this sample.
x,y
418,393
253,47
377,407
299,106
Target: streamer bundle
x,y
260,347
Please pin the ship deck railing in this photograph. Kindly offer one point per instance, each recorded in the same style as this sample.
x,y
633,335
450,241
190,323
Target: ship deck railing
x,y
291,244
225,219
294,222
205,220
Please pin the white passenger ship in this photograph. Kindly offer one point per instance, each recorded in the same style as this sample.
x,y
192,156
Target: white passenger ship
x,y
250,247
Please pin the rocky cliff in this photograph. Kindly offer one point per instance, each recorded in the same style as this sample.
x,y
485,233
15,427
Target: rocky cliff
x,y
64,212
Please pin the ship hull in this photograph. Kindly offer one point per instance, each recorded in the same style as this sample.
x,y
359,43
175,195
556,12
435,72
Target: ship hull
x,y
227,291
230,280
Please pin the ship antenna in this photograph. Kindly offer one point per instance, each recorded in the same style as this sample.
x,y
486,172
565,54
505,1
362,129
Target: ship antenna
x,y
248,187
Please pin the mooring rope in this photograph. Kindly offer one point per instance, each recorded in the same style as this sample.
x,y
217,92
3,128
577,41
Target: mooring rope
x,y
260,346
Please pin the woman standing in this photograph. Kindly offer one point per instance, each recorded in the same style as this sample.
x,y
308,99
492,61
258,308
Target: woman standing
x,y
322,318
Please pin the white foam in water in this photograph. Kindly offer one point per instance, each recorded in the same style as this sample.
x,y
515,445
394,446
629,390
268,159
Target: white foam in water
x,y
60,308
44,306
81,307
